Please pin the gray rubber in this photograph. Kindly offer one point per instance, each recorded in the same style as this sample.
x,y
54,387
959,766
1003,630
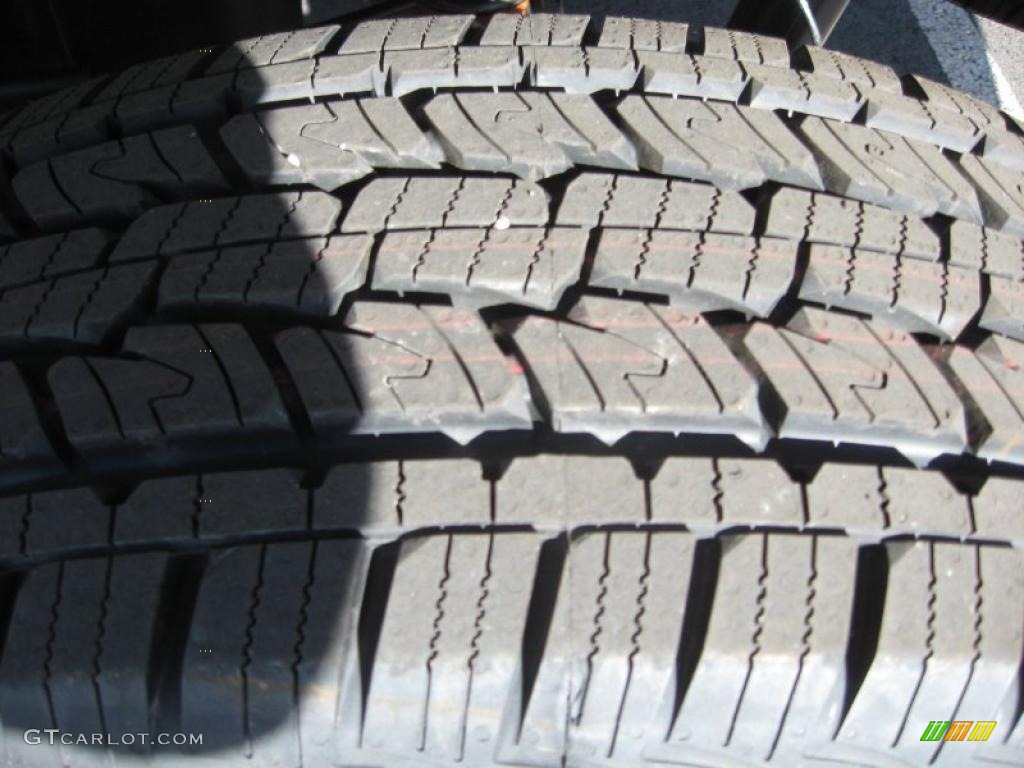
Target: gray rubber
x,y
511,391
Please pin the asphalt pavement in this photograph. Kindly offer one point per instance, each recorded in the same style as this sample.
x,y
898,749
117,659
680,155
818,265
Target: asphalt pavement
x,y
933,38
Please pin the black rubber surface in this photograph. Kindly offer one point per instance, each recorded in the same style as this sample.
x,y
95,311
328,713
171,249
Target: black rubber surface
x,y
512,391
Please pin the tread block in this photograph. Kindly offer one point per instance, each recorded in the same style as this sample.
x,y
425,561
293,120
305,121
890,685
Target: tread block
x,y
746,47
996,516
422,202
696,271
406,34
174,393
528,266
25,449
992,377
92,628
1003,147
50,529
741,618
402,368
465,67
276,83
821,218
276,48
71,643
22,668
643,35
1001,190
224,617
251,502
74,130
986,250
581,491
1004,308
846,380
868,76
414,627
203,224
447,659
616,367
117,180
164,508
923,505
203,99
83,307
713,495
273,648
41,122
167,70
721,143
268,613
328,145
617,200
909,294
816,698
628,595
847,497
899,173
385,498
131,627
612,634
338,76
873,501
929,635
310,277
918,120
213,506
771,665
304,43
998,618
675,74
982,114
29,261
535,29
582,70
52,105
703,507
218,505
533,135
808,93
887,691
329,661
756,493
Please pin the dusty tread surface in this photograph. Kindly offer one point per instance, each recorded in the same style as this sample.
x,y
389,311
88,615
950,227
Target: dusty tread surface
x,y
784,577
512,391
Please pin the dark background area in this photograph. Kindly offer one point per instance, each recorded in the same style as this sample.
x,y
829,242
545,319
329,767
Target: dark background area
x,y
93,36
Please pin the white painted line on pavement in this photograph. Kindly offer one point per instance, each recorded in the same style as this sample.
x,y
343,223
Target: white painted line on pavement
x,y
1007,98
957,41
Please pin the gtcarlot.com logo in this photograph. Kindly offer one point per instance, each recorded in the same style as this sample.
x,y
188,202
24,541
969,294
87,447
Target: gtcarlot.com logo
x,y
55,736
958,730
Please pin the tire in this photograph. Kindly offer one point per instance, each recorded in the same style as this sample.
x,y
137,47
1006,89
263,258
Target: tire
x,y
707,451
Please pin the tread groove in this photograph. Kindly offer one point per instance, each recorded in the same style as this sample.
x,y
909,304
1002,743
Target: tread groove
x,y
379,578
247,654
540,613
619,262
179,591
696,618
